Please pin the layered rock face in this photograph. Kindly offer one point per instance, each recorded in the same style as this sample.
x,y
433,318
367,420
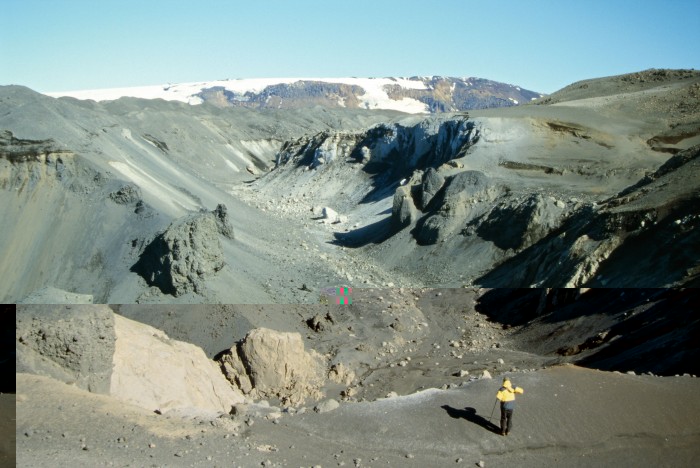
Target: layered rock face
x,y
404,146
155,372
344,170
275,364
189,251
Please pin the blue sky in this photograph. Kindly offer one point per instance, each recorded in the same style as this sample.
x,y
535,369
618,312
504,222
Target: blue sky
x,y
61,45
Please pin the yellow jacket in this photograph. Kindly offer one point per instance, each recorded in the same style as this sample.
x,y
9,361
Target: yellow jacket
x,y
507,393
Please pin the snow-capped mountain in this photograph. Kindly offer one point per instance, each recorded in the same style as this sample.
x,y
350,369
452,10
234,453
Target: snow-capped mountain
x,y
412,95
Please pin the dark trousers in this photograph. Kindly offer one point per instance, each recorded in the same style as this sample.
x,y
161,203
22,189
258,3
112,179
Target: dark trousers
x,y
506,419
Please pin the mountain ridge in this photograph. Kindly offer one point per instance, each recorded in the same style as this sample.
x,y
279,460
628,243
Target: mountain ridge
x,y
433,94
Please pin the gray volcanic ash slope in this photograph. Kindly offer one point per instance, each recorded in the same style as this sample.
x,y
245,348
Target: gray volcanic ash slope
x,y
400,377
95,184
110,199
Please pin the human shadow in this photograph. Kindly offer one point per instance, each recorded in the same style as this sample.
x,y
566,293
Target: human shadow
x,y
470,415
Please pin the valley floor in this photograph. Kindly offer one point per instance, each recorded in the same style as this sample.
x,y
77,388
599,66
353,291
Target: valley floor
x,y
568,416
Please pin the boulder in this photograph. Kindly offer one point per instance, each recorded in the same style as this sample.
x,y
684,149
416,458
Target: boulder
x,y
326,406
317,323
157,373
127,194
330,216
276,365
73,344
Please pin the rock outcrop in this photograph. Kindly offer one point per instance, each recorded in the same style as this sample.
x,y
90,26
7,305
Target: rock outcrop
x,y
272,364
403,211
155,372
405,145
127,194
528,221
102,352
432,182
179,260
646,235
73,344
464,197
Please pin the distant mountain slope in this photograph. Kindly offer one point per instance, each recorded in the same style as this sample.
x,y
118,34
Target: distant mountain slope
x,y
412,95
627,83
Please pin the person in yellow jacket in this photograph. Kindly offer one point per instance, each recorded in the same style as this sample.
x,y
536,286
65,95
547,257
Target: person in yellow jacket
x,y
506,395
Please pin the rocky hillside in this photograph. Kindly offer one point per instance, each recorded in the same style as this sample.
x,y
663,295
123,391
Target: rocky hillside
x,y
541,201
592,191
107,181
414,95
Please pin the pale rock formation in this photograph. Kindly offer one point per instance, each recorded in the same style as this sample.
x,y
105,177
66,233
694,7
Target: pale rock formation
x,y
331,216
272,364
155,372
342,374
